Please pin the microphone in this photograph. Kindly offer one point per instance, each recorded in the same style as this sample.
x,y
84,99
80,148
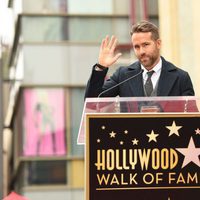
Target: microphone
x,y
134,76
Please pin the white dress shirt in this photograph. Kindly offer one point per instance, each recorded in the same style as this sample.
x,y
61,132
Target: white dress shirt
x,y
156,75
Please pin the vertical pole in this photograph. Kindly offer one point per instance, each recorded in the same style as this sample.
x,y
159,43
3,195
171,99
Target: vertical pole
x,y
132,12
1,126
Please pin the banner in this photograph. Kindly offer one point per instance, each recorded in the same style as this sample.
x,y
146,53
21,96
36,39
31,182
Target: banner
x,y
143,156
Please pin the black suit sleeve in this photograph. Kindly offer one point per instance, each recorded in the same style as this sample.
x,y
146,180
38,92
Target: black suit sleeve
x,y
95,83
186,86
98,84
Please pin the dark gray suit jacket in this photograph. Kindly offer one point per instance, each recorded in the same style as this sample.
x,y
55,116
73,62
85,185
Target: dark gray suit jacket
x,y
172,82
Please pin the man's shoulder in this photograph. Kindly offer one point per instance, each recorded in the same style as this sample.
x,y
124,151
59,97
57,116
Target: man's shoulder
x,y
128,70
131,67
167,65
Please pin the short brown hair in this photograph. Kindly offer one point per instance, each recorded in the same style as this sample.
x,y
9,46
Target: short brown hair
x,y
144,27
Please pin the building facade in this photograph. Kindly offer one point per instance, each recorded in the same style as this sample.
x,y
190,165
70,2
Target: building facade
x,y
45,71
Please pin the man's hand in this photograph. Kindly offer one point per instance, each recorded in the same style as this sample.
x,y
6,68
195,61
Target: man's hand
x,y
107,50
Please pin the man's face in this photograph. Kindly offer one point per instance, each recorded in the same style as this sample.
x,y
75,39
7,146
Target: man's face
x,y
146,49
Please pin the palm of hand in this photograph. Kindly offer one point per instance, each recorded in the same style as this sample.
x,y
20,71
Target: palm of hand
x,y
107,55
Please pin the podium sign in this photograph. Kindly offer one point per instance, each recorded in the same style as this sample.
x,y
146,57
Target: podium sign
x,y
143,156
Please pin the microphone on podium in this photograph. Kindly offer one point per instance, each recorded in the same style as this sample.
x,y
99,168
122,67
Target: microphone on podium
x,y
120,83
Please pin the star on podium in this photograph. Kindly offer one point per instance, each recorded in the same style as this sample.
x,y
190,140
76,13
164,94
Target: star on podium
x,y
197,131
135,141
152,136
191,154
112,134
174,129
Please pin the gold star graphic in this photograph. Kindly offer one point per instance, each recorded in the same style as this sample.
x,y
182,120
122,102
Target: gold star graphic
x,y
125,132
197,131
174,129
135,141
152,136
112,134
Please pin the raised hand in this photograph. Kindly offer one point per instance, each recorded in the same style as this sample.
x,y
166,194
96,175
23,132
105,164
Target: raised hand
x,y
107,55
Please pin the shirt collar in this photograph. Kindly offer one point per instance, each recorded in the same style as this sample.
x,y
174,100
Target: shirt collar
x,y
156,69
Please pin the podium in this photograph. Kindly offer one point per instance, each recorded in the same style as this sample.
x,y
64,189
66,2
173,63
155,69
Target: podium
x,y
141,148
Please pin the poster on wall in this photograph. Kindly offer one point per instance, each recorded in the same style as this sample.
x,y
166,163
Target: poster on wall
x,y
44,129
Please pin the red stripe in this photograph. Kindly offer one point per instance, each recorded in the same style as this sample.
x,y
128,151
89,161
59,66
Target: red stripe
x,y
132,12
145,10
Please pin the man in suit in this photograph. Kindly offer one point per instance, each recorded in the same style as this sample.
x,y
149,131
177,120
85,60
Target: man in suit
x,y
166,79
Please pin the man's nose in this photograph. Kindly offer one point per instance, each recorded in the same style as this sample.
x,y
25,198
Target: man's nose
x,y
142,50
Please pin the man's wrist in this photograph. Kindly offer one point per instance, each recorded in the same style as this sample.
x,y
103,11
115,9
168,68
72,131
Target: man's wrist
x,y
100,66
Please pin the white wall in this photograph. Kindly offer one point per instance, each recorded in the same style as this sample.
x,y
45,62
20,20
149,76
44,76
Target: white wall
x,y
58,64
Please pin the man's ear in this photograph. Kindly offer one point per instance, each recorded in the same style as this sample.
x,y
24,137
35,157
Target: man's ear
x,y
158,42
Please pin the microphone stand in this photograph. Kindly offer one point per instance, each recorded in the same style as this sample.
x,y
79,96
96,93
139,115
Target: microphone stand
x,y
117,104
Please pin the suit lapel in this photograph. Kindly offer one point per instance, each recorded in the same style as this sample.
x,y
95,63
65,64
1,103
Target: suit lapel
x,y
167,79
135,84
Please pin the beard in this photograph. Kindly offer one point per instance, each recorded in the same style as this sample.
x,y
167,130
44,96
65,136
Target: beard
x,y
149,61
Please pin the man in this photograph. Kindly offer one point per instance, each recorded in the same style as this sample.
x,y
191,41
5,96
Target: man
x,y
165,79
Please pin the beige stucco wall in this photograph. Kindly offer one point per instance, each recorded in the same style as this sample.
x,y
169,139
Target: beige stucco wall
x,y
179,22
